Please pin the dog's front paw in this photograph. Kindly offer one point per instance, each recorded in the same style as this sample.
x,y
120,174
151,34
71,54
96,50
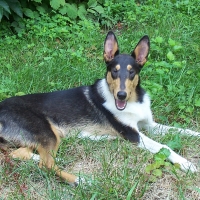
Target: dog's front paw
x,y
187,166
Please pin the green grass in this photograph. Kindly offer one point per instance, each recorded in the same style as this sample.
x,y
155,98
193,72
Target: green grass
x,y
32,64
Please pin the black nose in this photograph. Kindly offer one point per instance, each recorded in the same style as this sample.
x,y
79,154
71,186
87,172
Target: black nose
x,y
121,95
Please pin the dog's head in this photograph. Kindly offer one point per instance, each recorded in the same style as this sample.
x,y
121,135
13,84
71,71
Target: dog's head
x,y
123,70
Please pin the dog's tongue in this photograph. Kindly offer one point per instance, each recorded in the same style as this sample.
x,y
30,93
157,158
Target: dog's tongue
x,y
120,104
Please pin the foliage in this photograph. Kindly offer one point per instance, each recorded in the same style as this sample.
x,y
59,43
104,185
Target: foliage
x,y
108,13
159,164
175,143
36,8
169,53
10,7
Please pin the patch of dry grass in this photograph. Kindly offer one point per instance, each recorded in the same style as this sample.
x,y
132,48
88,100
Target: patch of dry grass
x,y
113,166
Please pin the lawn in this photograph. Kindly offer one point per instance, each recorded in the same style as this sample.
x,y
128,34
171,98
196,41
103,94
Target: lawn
x,y
44,60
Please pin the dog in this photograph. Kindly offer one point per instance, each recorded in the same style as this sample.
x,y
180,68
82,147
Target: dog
x,y
116,105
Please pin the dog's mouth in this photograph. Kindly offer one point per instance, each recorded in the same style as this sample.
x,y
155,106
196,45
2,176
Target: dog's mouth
x,y
120,104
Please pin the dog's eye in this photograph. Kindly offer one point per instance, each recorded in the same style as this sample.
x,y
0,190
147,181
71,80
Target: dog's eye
x,y
131,72
114,73
115,70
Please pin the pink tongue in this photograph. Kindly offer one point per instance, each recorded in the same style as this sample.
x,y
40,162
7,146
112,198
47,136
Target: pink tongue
x,y
120,104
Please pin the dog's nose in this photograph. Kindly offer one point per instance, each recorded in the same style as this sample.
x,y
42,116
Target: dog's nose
x,y
121,95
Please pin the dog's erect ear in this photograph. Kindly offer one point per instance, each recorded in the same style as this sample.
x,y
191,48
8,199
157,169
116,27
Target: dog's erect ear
x,y
110,47
141,51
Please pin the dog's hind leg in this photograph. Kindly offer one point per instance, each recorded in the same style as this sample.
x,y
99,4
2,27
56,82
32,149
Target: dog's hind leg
x,y
23,153
47,160
48,153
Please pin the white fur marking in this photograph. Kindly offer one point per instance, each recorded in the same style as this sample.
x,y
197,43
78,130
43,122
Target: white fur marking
x,y
35,157
81,180
163,129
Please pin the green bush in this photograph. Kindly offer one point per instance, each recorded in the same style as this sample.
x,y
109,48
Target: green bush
x,y
109,14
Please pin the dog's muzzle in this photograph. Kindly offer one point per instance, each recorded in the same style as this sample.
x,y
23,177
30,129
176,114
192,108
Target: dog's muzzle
x,y
121,102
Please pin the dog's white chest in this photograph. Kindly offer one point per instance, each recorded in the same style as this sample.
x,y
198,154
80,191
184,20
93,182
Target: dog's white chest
x,y
132,114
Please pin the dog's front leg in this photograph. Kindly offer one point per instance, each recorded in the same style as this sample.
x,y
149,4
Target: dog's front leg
x,y
154,147
156,128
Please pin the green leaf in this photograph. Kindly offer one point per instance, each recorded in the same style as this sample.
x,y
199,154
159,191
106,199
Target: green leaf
x,y
99,9
159,40
82,11
167,164
15,6
197,103
177,63
176,166
175,143
189,109
181,107
162,155
1,13
28,12
177,47
171,42
63,10
170,56
69,9
154,166
160,162
157,172
72,10
91,11
92,3
41,9
165,151
153,178
55,4
19,94
149,168
6,14
4,5
159,157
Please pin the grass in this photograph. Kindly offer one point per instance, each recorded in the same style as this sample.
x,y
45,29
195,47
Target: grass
x,y
40,64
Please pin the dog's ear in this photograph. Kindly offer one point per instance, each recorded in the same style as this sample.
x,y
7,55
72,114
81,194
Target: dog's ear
x,y
110,47
141,51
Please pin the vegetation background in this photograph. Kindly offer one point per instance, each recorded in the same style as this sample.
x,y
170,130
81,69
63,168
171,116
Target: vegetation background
x,y
57,44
